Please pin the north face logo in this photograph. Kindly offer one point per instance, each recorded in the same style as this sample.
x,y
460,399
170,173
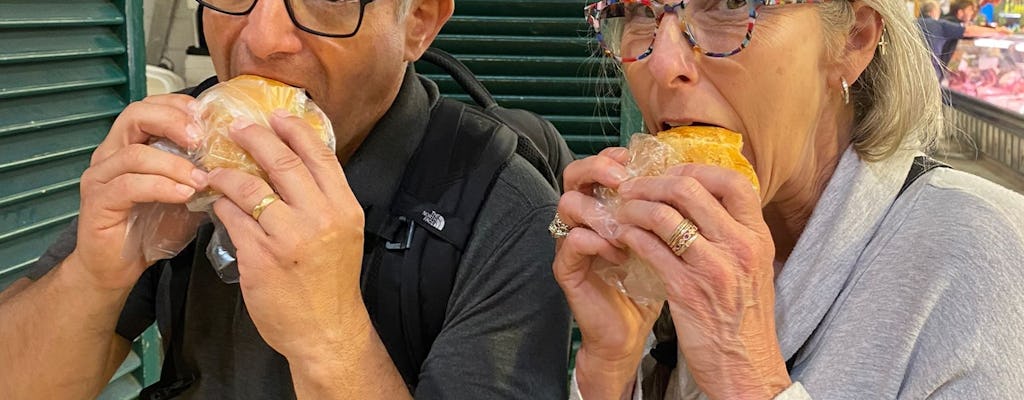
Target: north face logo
x,y
434,219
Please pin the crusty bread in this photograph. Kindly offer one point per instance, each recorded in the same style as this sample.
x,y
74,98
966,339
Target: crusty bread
x,y
254,98
709,145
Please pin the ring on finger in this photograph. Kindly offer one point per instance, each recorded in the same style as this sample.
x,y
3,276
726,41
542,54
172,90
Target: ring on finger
x,y
558,228
264,203
684,236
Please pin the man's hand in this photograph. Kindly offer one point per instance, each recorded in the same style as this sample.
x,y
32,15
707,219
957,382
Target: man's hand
x,y
124,172
299,263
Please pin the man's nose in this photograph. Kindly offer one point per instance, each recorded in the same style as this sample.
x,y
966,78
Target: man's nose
x,y
269,31
673,60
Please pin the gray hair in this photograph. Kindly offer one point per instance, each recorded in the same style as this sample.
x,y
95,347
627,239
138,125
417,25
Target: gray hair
x,y
897,101
927,8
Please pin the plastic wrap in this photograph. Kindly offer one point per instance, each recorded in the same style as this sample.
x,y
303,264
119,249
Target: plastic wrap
x,y
636,279
249,97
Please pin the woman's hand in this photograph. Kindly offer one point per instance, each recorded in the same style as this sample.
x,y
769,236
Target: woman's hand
x,y
614,328
721,289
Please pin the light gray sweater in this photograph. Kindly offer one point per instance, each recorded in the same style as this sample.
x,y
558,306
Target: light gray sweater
x,y
920,296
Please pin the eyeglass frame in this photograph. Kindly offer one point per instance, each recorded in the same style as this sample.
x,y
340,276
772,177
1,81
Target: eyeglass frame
x,y
593,10
295,21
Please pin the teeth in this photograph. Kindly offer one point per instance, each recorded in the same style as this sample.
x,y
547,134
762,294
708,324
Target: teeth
x,y
676,124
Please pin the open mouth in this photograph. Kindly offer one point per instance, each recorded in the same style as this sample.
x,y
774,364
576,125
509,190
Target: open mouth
x,y
669,125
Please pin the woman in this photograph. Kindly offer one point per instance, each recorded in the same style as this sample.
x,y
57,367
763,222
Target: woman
x,y
830,282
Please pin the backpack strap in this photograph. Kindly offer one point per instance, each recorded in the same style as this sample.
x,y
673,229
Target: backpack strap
x,y
921,166
538,140
409,278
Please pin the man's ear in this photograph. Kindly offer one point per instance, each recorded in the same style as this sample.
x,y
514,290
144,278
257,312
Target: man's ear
x,y
422,23
861,43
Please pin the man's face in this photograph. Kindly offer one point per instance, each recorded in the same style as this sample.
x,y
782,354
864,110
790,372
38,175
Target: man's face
x,y
966,14
354,80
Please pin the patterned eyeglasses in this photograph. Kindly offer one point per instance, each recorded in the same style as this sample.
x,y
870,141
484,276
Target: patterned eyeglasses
x,y
717,28
331,18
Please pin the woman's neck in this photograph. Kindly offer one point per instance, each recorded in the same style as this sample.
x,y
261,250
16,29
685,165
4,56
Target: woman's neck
x,y
791,207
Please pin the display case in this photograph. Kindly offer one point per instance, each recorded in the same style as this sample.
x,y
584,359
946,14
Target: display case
x,y
991,70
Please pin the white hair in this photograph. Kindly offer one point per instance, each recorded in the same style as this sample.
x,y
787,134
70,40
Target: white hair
x,y
897,101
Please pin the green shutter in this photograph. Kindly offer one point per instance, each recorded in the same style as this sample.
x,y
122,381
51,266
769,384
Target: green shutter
x,y
537,55
67,68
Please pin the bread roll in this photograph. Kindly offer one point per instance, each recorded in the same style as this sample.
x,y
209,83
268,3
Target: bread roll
x,y
709,145
254,98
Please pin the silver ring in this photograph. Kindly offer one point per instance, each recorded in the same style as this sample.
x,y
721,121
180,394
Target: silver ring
x,y
559,229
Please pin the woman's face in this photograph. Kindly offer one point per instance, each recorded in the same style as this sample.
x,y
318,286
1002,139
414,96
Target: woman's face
x,y
773,92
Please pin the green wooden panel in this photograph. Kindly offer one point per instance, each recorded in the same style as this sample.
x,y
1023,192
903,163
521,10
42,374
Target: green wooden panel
x,y
512,8
20,251
32,178
543,26
67,68
512,45
41,112
527,65
30,45
44,13
20,217
41,146
33,79
536,85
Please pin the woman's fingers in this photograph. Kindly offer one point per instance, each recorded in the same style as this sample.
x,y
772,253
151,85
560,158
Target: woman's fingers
x,y
659,203
734,190
606,168
577,252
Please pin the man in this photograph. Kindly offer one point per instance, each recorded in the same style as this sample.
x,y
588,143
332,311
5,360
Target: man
x,y
296,325
943,34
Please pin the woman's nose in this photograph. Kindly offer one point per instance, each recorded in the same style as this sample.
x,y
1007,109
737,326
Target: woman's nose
x,y
673,60
269,31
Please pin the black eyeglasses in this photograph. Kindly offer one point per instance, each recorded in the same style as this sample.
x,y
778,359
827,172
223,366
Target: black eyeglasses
x,y
330,18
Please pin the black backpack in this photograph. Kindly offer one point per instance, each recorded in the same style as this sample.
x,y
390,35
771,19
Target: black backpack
x,y
415,253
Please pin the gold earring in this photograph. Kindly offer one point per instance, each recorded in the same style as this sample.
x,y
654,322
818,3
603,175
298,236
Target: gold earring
x,y
846,91
881,41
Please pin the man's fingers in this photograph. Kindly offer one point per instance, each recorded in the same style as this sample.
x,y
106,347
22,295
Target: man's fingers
x,y
286,170
248,191
143,159
124,191
321,161
143,120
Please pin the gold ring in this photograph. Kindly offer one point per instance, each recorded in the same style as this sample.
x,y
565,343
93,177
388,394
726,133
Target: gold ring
x,y
559,229
266,201
685,234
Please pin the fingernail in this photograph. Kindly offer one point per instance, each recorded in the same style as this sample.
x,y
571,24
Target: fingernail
x,y
192,105
626,186
241,123
619,153
194,135
282,113
200,178
620,174
185,190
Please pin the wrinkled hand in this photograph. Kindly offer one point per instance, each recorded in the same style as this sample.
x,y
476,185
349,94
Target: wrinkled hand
x,y
299,264
124,171
614,328
721,290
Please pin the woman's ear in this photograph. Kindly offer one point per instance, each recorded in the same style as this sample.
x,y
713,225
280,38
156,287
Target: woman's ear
x,y
862,42
422,23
